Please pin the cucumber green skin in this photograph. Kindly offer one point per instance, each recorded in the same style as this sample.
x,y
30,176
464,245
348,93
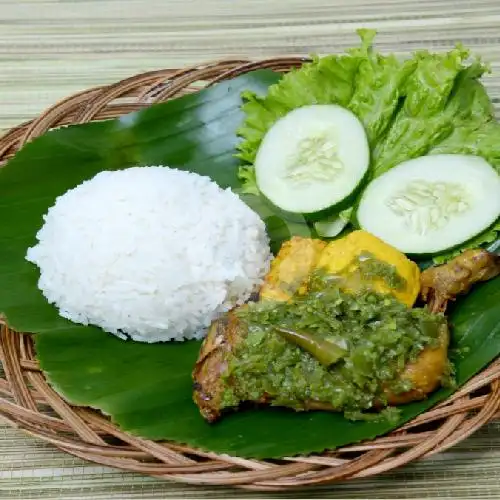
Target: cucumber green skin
x,y
348,229
421,258
354,219
346,202
353,222
284,214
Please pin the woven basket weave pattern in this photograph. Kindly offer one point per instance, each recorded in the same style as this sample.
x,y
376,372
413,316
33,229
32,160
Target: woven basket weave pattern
x,y
29,403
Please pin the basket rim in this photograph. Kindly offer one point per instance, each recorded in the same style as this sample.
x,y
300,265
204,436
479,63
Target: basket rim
x,y
25,395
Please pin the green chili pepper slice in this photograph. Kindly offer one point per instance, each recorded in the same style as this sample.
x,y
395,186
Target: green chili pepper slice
x,y
327,353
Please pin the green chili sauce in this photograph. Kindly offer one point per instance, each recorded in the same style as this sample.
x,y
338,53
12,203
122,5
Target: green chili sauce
x,y
379,335
371,268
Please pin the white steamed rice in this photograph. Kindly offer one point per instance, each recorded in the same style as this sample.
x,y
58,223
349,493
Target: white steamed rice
x,y
150,252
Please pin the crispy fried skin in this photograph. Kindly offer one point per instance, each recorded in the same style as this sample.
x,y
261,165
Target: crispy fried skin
x,y
441,284
222,338
223,335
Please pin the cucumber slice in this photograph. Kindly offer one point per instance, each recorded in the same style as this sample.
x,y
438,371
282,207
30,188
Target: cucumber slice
x,y
334,225
432,203
312,159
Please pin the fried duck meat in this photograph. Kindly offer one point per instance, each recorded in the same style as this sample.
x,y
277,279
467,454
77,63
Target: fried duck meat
x,y
441,284
220,348
222,339
289,275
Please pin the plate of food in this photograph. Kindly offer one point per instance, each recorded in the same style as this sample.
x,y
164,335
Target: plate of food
x,y
285,276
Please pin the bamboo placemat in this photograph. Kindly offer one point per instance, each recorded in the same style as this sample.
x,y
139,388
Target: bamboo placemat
x,y
50,49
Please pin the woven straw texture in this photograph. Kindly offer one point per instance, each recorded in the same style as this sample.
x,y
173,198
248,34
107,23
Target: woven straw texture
x,y
209,28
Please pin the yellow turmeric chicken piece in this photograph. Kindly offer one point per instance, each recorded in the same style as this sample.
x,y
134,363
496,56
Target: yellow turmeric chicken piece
x,y
345,256
299,257
291,268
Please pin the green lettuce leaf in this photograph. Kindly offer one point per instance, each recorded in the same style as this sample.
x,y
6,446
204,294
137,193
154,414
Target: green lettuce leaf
x,y
327,80
428,104
431,105
378,90
475,129
481,138
249,181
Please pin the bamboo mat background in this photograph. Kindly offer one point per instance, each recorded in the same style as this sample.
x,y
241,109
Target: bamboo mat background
x,y
52,48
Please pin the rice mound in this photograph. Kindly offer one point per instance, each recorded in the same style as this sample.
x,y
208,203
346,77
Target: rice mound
x,y
151,253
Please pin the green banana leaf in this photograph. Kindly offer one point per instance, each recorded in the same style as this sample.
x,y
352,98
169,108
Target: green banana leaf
x,y
195,132
146,389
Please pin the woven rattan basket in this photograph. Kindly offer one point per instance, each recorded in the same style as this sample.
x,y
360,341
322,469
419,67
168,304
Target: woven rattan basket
x,y
29,403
